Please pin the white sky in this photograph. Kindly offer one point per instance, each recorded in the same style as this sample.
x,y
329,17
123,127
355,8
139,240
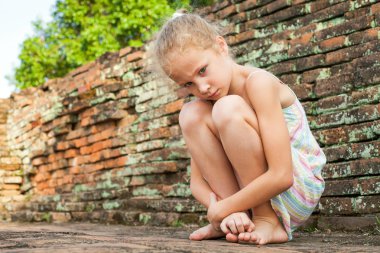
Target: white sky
x,y
16,18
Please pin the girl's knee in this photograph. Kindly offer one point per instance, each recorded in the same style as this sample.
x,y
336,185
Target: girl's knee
x,y
193,114
230,108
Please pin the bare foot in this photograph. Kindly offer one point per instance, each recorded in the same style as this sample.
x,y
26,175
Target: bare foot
x,y
232,237
266,231
206,232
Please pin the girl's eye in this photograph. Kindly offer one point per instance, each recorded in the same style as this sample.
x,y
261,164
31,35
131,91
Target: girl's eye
x,y
187,85
202,70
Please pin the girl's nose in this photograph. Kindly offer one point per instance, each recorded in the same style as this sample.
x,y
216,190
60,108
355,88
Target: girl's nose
x,y
203,88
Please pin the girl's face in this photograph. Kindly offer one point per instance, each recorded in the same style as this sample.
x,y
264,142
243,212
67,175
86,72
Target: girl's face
x,y
206,73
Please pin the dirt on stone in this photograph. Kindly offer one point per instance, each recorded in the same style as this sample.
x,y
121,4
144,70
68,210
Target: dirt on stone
x,y
83,237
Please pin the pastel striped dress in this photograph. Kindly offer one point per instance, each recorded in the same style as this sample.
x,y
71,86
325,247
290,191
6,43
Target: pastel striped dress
x,y
295,205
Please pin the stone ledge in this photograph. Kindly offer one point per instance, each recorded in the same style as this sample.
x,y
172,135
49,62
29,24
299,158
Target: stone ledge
x,y
84,237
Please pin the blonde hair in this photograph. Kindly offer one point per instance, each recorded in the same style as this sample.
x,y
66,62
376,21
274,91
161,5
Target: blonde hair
x,y
178,34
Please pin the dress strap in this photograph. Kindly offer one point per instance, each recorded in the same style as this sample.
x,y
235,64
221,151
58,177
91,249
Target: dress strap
x,y
262,70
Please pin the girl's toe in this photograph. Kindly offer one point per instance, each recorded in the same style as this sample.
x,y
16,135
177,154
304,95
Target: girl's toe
x,y
231,237
253,238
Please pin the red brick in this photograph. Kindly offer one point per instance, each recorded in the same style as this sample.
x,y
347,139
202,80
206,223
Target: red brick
x,y
242,37
10,187
95,157
42,177
334,85
103,135
74,134
247,5
75,170
135,56
369,185
92,168
42,186
333,43
63,145
89,112
342,187
375,8
71,153
58,164
124,51
55,156
226,12
303,40
58,174
159,133
39,160
86,150
80,142
336,205
303,90
118,162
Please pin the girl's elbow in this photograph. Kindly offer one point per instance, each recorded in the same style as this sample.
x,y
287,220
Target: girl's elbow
x,y
288,182
287,179
193,187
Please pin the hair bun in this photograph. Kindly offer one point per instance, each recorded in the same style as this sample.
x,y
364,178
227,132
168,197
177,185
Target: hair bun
x,y
179,13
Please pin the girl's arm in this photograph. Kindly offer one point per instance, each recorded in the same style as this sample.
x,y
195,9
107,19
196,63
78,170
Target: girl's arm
x,y
263,93
198,185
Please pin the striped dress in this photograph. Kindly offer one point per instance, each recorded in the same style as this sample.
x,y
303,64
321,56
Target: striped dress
x,y
295,205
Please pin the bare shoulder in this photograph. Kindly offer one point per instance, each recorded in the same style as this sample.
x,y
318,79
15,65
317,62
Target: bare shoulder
x,y
260,87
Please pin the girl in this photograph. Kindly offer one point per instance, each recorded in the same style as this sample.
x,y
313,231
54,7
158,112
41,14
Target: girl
x,y
254,162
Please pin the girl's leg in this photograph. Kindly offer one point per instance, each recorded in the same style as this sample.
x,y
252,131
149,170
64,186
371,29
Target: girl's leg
x,y
202,141
237,125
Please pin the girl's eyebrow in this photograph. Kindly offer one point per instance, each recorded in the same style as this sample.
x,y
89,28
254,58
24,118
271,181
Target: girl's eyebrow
x,y
200,66
194,72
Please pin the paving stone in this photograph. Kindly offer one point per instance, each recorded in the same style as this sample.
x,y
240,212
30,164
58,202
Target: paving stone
x,y
85,237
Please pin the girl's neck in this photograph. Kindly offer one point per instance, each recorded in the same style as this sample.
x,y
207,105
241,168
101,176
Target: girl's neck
x,y
239,76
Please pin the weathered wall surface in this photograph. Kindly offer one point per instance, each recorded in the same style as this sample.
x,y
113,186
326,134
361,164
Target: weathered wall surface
x,y
10,173
103,143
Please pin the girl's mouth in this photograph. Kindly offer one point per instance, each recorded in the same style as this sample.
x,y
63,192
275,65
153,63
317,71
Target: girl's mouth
x,y
215,94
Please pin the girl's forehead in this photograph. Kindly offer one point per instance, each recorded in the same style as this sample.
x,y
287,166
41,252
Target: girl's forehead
x,y
184,64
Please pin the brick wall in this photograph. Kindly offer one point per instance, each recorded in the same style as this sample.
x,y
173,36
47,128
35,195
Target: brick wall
x,y
10,169
103,143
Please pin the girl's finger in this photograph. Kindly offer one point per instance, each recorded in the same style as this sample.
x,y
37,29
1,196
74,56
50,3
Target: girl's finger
x,y
246,222
239,224
251,227
231,225
224,228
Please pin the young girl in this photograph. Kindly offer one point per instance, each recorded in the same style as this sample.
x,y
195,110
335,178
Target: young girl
x,y
254,161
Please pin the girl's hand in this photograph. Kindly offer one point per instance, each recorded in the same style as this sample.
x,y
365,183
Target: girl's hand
x,y
213,212
237,223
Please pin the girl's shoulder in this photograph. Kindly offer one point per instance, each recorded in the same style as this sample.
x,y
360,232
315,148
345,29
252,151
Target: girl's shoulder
x,y
260,79
263,84
261,73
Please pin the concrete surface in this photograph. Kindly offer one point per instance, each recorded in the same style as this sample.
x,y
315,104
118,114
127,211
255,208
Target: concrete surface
x,y
84,237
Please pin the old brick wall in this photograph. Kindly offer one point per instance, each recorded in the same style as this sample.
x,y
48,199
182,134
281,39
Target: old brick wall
x,y
103,143
10,169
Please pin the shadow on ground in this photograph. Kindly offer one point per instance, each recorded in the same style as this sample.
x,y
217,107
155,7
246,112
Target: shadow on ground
x,y
83,237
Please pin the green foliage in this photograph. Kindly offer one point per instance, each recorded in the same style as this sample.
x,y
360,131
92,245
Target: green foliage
x,y
46,217
177,223
82,30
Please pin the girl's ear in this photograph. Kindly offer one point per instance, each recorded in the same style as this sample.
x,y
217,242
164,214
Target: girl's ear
x,y
222,45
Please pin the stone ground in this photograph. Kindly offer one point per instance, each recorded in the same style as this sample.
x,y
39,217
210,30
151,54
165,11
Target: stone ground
x,y
84,237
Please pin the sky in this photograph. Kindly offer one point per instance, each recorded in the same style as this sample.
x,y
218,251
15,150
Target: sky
x,y
16,18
